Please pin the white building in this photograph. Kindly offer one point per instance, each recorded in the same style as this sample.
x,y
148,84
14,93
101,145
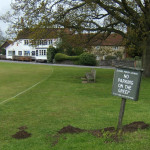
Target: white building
x,y
23,47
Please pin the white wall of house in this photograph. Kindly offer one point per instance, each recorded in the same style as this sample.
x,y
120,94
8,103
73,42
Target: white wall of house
x,y
24,48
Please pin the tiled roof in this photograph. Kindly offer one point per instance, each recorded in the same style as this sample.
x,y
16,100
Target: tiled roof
x,y
99,40
112,40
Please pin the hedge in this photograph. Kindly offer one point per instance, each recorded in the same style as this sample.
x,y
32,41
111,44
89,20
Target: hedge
x,y
62,57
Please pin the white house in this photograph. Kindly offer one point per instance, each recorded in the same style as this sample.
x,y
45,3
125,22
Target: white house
x,y
23,47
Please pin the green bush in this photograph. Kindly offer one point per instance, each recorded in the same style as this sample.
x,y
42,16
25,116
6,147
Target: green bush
x,y
51,52
62,57
87,59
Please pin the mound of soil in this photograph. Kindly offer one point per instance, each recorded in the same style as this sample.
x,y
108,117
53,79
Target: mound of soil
x,y
70,129
22,134
135,126
111,132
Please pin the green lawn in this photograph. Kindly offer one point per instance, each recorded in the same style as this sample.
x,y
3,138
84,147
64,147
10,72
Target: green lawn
x,y
60,100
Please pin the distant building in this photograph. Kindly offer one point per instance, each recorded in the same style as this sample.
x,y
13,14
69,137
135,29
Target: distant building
x,y
23,45
113,45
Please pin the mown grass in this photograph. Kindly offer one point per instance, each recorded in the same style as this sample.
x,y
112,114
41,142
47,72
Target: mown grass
x,y
61,100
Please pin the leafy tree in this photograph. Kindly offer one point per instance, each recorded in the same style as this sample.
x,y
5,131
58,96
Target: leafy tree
x,y
72,44
94,16
1,37
133,43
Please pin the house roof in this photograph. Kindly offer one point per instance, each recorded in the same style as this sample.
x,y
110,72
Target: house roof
x,y
5,44
86,40
111,40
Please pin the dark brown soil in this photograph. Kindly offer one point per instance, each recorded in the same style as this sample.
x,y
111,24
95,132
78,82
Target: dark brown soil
x,y
110,132
70,129
22,134
135,126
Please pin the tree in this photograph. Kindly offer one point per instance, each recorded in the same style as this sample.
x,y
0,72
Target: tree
x,y
72,44
94,16
1,37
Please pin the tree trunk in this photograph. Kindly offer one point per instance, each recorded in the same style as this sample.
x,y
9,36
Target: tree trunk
x,y
146,58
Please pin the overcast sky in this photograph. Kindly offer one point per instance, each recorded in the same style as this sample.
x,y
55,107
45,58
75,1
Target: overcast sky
x,y
4,7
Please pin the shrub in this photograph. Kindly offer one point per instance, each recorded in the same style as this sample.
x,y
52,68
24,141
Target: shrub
x,y
62,57
87,59
51,52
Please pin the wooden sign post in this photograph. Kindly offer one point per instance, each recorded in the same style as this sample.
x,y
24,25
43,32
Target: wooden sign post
x,y
126,84
122,108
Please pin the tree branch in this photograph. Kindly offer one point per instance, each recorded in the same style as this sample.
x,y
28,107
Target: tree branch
x,y
140,5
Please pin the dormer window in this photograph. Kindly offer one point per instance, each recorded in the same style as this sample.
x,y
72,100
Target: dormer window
x,y
26,42
50,42
42,42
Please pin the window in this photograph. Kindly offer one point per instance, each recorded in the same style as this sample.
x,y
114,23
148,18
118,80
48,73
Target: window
x,y
97,47
50,42
97,57
20,53
44,52
44,42
33,53
40,42
26,42
36,52
9,53
41,52
26,53
115,48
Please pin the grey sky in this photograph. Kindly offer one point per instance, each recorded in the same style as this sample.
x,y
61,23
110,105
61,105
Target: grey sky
x,y
4,7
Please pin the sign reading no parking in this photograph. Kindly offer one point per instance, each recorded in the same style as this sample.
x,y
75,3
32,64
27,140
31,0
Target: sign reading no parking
x,y
126,83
